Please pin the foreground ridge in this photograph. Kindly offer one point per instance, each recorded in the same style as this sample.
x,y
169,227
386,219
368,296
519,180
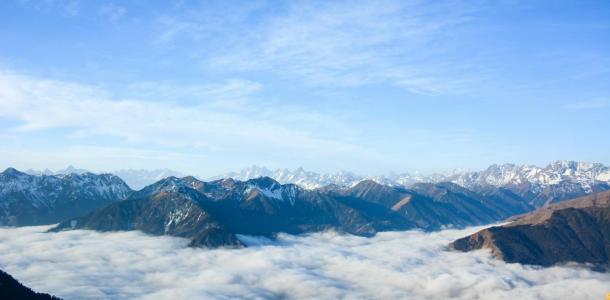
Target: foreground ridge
x,y
570,231
11,289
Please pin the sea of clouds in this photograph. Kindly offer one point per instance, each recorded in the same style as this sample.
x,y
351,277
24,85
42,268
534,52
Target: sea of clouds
x,y
392,265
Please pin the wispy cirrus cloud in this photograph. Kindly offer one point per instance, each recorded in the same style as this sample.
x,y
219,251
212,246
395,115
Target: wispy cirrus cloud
x,y
402,43
112,12
204,129
103,158
68,8
219,119
228,92
588,104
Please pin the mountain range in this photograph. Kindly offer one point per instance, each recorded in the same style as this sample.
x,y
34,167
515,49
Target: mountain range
x,y
214,213
573,177
536,185
583,174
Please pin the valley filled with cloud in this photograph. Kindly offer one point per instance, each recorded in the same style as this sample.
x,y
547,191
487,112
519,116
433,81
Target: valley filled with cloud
x,y
392,265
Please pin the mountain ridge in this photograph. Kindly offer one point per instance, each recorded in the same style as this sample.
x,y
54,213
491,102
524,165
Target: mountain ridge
x,y
577,230
47,199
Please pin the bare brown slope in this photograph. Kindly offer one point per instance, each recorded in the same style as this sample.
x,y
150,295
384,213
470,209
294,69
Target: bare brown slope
x,y
571,231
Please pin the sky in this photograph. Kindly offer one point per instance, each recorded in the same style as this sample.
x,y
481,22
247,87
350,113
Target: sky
x,y
207,87
327,265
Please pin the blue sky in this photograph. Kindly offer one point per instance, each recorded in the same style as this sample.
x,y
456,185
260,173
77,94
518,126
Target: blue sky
x,y
373,87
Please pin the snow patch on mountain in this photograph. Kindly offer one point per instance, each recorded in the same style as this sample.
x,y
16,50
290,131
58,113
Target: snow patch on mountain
x,y
177,216
272,189
269,193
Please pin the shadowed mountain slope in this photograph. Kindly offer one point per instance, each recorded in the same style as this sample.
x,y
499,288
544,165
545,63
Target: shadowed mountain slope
x,y
11,289
212,213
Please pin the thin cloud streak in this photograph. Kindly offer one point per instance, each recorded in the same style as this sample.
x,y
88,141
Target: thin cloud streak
x,y
207,121
340,44
392,265
212,123
588,104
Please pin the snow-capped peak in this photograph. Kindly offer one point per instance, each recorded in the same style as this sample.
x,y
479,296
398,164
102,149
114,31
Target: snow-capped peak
x,y
582,173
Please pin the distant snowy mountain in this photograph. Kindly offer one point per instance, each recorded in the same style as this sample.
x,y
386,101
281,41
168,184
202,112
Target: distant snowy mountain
x,y
66,171
559,179
138,179
539,185
313,180
582,173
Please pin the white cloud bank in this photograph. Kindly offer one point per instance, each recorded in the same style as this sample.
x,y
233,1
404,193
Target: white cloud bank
x,y
396,265
89,110
220,121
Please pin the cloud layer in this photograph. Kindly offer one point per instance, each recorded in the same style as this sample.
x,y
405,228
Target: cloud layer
x,y
394,265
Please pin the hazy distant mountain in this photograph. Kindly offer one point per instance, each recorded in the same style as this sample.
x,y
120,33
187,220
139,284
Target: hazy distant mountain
x,y
38,172
137,179
213,213
47,199
305,179
66,171
496,175
570,231
11,289
312,180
